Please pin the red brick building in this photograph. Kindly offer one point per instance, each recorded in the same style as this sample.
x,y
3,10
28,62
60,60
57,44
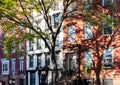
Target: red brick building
x,y
13,69
94,50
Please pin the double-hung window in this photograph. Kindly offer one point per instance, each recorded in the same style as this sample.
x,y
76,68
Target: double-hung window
x,y
57,42
107,29
88,59
21,66
39,60
71,33
106,2
30,45
21,46
13,67
39,43
87,30
47,59
5,67
31,61
56,19
107,58
48,42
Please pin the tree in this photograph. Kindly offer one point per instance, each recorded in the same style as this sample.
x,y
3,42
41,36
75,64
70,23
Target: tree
x,y
17,14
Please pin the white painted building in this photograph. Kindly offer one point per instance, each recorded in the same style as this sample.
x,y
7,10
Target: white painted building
x,y
38,56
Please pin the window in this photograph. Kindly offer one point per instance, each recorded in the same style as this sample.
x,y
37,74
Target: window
x,y
71,33
87,30
48,41
13,67
38,43
107,29
21,46
107,58
30,45
32,78
88,5
57,41
21,66
47,59
39,60
106,2
56,19
88,59
5,67
31,61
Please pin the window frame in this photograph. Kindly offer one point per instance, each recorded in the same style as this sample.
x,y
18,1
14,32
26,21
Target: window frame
x,y
56,18
13,67
88,33
57,42
39,44
5,62
107,52
21,66
31,61
21,46
105,26
31,45
88,58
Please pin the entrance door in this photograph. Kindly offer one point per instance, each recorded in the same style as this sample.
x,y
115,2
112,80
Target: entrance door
x,y
42,78
71,63
3,82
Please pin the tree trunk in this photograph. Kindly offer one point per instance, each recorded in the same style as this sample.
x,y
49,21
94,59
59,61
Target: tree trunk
x,y
55,68
98,82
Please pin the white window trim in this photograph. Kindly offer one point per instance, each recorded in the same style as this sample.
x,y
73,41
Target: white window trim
x,y
5,61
